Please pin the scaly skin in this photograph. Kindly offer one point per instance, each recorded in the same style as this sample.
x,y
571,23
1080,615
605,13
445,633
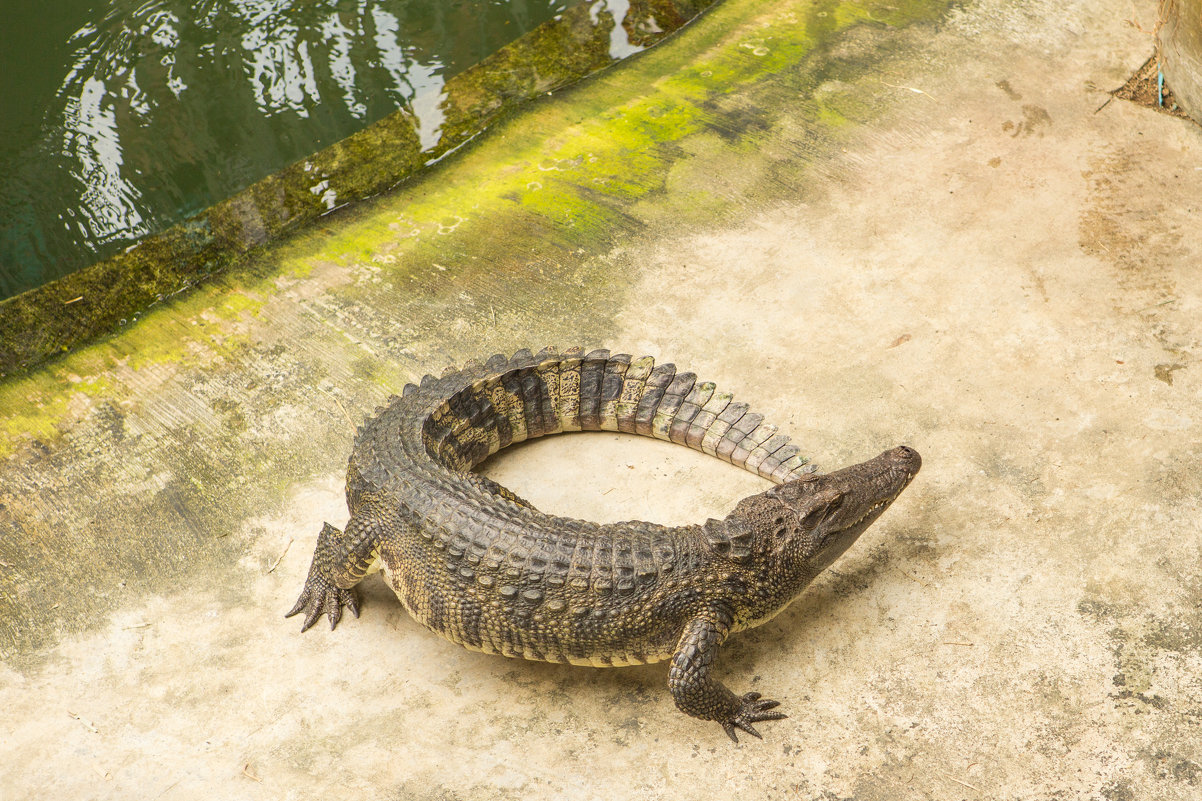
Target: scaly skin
x,y
478,565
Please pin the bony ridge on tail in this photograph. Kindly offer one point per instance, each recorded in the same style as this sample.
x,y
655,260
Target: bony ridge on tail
x,y
480,566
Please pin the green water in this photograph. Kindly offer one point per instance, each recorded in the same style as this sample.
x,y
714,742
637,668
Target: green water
x,y
120,118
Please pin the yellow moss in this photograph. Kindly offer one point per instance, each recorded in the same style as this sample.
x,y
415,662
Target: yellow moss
x,y
238,301
31,416
193,332
36,406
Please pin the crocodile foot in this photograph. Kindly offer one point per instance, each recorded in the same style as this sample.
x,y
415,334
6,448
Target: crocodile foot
x,y
752,709
320,595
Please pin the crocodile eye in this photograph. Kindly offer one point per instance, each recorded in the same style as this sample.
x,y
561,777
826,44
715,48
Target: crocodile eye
x,y
813,518
822,511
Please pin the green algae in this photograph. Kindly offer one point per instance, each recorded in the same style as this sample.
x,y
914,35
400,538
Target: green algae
x,y
195,331
39,407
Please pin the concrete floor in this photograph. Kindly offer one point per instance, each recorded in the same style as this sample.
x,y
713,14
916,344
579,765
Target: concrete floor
x,y
924,234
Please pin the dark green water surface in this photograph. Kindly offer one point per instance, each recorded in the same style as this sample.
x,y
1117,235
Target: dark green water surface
x,y
121,118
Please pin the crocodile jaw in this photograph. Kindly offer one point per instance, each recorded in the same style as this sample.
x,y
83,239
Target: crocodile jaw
x,y
855,497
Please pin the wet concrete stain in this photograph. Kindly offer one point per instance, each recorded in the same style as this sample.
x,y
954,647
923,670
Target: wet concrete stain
x,y
1164,372
1034,121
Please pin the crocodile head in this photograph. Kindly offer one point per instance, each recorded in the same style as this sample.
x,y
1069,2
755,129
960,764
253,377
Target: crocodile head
x,y
833,510
795,530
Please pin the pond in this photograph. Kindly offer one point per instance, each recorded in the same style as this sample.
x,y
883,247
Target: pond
x,y
123,117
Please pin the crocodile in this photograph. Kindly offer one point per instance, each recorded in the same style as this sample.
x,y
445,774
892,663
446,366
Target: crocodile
x,y
477,564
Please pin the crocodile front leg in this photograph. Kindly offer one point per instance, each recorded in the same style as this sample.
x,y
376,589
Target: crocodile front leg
x,y
340,561
698,694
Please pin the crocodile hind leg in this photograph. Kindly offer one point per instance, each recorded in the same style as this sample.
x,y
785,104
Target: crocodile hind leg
x,y
340,561
695,690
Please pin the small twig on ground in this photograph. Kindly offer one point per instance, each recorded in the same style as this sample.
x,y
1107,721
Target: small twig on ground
x,y
136,626
909,89
168,788
907,575
345,413
280,558
957,781
349,420
87,724
72,300
1157,305
246,772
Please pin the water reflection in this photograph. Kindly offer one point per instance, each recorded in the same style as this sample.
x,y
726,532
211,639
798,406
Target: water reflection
x,y
167,106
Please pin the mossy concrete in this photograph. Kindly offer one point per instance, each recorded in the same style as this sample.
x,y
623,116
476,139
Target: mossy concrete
x,y
875,222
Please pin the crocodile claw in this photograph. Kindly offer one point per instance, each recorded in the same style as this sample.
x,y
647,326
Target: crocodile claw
x,y
318,596
752,710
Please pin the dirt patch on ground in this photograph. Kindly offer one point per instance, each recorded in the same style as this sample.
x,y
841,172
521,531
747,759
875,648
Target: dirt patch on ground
x,y
1146,88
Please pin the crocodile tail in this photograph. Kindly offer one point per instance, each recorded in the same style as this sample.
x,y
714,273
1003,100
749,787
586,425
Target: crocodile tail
x,y
484,408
